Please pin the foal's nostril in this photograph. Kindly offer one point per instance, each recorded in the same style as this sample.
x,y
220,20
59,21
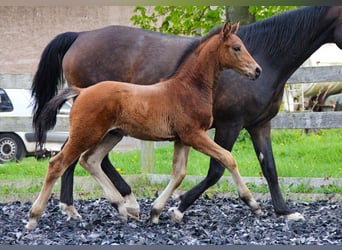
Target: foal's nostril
x,y
257,72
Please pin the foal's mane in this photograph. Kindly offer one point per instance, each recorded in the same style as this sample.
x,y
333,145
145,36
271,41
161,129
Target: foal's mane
x,y
282,32
192,47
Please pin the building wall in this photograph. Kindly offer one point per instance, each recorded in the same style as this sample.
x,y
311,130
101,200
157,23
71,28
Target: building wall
x,y
25,31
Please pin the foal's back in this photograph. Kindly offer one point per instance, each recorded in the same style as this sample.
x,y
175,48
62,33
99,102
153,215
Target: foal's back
x,y
144,112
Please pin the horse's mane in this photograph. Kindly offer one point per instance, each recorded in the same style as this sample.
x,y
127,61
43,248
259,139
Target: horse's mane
x,y
280,31
270,35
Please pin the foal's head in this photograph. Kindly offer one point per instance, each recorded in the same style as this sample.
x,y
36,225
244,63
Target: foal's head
x,y
234,55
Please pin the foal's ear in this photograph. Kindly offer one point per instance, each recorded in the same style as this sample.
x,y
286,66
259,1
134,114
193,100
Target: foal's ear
x,y
225,32
229,29
235,28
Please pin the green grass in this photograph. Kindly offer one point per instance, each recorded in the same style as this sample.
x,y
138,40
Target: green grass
x,y
296,155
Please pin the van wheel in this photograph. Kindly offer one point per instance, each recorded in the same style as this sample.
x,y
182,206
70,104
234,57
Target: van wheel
x,y
11,148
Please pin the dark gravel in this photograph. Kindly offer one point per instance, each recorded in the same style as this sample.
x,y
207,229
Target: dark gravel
x,y
215,221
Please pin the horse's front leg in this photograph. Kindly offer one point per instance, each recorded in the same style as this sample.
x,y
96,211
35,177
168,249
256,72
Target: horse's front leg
x,y
261,137
180,158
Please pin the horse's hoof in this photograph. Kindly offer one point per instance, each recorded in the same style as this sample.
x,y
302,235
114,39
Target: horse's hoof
x,y
70,211
295,216
132,206
31,224
175,215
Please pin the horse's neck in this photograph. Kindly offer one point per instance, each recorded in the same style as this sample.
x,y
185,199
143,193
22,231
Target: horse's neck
x,y
202,68
288,59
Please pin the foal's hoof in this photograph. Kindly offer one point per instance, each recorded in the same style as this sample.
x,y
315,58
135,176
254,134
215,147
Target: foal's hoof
x,y
257,211
295,216
70,211
175,215
123,218
134,214
132,206
254,206
31,224
154,220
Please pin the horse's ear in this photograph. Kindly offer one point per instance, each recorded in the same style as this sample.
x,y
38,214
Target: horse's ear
x,y
226,30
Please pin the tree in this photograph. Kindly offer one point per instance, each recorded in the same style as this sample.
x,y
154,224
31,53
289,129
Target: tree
x,y
198,20
179,20
262,12
239,14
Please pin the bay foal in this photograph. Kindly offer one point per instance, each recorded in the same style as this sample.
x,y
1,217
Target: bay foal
x,y
178,109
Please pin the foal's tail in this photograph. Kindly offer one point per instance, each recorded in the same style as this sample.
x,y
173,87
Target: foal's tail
x,y
47,118
49,75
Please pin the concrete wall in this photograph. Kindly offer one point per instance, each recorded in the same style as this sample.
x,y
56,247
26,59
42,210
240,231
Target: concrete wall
x,y
25,31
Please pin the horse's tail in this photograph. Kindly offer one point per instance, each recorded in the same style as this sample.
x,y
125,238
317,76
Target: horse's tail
x,y
47,118
49,74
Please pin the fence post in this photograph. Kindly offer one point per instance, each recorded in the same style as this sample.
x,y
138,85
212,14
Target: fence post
x,y
147,157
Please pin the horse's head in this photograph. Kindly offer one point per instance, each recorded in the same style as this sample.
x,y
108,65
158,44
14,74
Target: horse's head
x,y
234,55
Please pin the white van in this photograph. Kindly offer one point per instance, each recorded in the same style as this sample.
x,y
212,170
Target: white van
x,y
16,104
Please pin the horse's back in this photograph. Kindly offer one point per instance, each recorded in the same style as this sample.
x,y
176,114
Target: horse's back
x,y
122,54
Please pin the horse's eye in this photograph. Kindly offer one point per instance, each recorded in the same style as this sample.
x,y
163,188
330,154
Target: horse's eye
x,y
236,49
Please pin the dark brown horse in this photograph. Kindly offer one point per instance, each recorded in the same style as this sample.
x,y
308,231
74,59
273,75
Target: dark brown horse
x,y
178,109
278,47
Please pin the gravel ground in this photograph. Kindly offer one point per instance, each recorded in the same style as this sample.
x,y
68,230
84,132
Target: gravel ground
x,y
216,221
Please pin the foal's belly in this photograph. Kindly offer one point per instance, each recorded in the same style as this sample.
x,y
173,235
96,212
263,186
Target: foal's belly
x,y
147,131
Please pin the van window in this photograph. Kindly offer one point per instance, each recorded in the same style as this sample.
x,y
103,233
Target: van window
x,y
5,102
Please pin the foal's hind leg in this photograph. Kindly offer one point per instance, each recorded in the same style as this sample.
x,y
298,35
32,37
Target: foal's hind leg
x,y
201,142
57,165
91,161
180,158
66,197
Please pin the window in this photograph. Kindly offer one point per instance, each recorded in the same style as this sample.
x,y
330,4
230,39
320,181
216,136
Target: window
x,y
5,102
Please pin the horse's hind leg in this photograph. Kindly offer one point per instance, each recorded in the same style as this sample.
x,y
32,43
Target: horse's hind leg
x,y
204,144
125,190
66,195
57,165
66,202
180,158
91,161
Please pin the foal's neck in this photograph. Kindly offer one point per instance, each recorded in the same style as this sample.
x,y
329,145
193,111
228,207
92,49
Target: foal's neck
x,y
202,68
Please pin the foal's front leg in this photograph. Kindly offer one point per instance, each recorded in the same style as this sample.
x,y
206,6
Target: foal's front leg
x,y
180,158
202,142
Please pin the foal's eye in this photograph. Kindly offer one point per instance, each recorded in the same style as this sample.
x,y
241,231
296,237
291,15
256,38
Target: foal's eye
x,y
236,49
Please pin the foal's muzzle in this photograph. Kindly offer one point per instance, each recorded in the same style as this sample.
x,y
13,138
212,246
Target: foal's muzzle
x,y
258,71
253,73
